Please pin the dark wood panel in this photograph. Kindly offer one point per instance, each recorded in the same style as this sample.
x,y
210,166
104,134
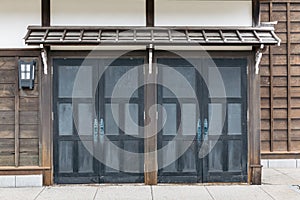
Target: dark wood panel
x,y
265,146
280,27
7,131
29,146
29,117
7,76
295,91
265,135
29,159
7,160
7,117
7,104
29,131
280,146
7,63
280,15
7,152
277,113
295,102
280,124
296,124
7,90
295,145
30,93
29,104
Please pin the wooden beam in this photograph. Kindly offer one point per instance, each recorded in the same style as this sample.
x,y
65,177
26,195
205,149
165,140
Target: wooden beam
x,y
149,13
289,94
150,130
46,121
255,12
254,124
45,12
271,87
17,115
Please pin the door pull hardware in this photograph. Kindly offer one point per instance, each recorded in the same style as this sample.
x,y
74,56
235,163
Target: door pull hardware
x,y
199,131
102,129
101,126
205,124
95,130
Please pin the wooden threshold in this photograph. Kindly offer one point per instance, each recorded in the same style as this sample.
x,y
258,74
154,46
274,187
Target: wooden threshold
x,y
29,168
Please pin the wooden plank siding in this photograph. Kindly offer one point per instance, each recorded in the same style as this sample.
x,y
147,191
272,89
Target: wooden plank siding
x,y
19,116
280,82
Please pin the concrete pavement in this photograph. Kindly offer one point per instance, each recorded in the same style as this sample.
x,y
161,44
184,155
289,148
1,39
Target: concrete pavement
x,y
278,184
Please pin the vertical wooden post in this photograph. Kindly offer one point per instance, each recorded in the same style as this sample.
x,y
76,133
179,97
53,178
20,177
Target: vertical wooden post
x,y
255,12
254,125
17,116
45,12
149,13
150,146
46,105
150,124
289,95
271,86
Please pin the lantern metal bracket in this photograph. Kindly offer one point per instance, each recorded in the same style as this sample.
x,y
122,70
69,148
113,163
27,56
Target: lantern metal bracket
x,y
45,60
258,57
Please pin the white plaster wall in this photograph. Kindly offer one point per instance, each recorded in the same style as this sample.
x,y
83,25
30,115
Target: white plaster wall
x,y
15,16
203,13
98,12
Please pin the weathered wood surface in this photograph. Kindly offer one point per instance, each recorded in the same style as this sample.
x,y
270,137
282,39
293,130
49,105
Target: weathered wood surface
x,y
19,117
280,81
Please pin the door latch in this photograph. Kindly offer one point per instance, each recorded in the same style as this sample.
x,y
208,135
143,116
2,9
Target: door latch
x,y
205,124
199,131
95,130
101,127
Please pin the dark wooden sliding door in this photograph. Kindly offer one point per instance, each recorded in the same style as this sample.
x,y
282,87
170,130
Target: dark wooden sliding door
x,y
97,134
205,134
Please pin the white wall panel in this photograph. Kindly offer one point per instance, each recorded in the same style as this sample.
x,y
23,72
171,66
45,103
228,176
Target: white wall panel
x,y
98,12
15,16
203,13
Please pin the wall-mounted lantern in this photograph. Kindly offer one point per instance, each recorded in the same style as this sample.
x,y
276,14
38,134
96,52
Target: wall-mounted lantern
x,y
26,74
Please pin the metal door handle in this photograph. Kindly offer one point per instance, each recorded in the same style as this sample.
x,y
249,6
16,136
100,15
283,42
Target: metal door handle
x,y
205,124
101,127
199,131
95,130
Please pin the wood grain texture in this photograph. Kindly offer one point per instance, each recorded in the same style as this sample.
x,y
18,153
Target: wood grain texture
x,y
280,81
19,115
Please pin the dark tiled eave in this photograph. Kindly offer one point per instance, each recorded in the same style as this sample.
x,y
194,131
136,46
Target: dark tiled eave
x,y
206,36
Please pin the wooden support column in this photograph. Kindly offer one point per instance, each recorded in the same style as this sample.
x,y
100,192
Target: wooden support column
x,y
271,94
254,125
255,12
17,116
150,124
45,12
289,78
46,105
149,13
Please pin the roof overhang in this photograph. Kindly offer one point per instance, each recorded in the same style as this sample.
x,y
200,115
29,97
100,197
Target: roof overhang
x,y
163,36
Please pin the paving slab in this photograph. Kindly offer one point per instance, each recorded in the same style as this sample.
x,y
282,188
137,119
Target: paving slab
x,y
165,192
19,193
275,177
124,192
280,192
293,173
68,192
234,192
